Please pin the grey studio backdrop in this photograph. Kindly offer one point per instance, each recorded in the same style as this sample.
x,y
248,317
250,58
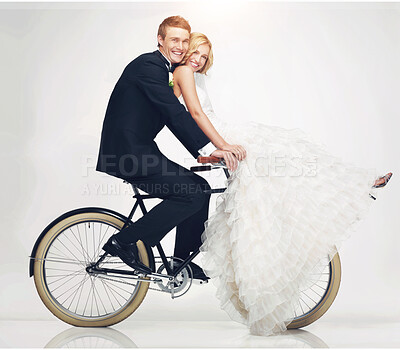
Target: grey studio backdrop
x,y
330,69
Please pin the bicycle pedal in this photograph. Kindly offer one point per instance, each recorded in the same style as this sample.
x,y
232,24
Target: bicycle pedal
x,y
198,282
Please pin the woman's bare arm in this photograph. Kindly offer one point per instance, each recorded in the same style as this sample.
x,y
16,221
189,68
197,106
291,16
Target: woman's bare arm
x,y
184,78
185,83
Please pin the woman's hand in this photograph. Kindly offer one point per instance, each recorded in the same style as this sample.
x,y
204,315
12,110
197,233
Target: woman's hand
x,y
230,159
237,150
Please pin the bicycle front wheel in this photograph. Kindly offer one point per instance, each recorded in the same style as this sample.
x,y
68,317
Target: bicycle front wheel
x,y
68,290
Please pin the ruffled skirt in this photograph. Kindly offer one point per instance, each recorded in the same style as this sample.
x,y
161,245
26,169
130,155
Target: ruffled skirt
x,y
289,204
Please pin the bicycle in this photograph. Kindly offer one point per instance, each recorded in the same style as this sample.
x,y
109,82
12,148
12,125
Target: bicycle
x,y
84,286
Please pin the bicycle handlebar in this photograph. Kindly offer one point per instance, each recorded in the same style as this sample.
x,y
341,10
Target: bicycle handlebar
x,y
216,163
208,159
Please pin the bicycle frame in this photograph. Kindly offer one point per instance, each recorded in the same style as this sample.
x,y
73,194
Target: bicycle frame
x,y
140,203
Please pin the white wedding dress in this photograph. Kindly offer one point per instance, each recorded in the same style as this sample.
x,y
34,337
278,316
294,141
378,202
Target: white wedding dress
x,y
274,223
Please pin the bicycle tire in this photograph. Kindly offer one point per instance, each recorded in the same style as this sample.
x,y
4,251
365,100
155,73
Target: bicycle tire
x,y
327,299
42,276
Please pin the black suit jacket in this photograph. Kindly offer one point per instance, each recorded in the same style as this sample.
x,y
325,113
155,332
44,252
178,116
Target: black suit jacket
x,y
141,104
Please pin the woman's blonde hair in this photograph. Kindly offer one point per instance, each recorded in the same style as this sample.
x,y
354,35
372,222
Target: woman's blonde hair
x,y
197,39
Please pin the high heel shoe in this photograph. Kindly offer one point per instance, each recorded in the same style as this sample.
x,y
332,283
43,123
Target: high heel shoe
x,y
386,178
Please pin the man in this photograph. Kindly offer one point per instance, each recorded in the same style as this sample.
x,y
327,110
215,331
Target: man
x,y
141,104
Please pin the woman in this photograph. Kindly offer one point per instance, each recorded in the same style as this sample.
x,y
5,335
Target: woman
x,y
272,224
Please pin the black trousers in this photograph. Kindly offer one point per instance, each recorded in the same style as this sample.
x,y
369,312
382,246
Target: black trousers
x,y
184,205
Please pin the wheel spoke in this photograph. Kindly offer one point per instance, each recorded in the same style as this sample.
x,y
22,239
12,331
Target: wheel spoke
x,y
304,302
73,244
61,260
309,298
95,299
69,250
87,245
63,254
73,274
94,243
52,291
111,292
87,301
301,308
80,294
100,299
84,252
51,268
76,291
316,292
115,291
316,285
117,286
104,286
83,247
101,238
91,306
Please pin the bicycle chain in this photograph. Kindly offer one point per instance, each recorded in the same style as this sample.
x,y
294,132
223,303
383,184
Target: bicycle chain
x,y
131,284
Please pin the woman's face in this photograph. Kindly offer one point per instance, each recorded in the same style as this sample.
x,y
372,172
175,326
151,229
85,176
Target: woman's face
x,y
198,59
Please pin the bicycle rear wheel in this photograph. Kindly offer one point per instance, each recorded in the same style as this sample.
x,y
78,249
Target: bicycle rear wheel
x,y
68,290
320,293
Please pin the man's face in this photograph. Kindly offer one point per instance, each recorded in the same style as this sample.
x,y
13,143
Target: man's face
x,y
175,44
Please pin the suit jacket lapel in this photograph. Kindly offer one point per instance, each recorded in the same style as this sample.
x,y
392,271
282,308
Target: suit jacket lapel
x,y
160,55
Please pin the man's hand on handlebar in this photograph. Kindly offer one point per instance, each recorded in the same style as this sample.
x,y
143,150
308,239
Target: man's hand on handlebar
x,y
230,159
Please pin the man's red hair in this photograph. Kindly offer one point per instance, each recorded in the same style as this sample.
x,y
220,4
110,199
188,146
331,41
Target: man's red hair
x,y
173,21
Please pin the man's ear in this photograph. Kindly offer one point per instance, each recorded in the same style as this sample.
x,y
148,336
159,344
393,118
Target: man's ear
x,y
160,40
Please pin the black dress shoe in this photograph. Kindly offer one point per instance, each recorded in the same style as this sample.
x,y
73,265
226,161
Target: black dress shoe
x,y
128,253
198,273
